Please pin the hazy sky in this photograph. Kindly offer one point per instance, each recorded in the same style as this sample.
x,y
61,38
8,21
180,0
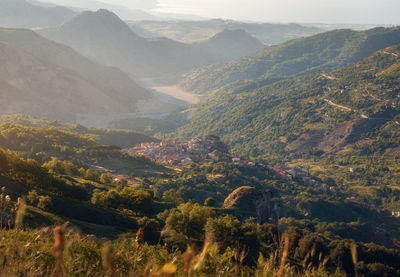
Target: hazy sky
x,y
331,11
324,11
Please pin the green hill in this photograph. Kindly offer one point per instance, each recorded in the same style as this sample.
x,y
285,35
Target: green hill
x,y
42,144
341,125
323,51
120,138
354,109
169,210
168,234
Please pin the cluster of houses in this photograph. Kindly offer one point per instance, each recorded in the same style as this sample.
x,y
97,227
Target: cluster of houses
x,y
289,173
179,153
210,148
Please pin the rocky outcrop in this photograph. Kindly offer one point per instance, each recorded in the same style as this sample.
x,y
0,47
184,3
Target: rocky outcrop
x,y
250,202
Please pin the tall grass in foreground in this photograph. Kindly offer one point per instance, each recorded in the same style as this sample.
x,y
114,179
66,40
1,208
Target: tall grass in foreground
x,y
63,251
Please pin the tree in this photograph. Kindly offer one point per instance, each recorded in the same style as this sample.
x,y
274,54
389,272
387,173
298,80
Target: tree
x,y
45,202
172,196
92,175
82,172
188,220
33,197
55,166
106,178
70,168
136,200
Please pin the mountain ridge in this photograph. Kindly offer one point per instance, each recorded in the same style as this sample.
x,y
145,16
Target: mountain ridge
x,y
22,14
52,80
330,111
322,51
119,46
197,31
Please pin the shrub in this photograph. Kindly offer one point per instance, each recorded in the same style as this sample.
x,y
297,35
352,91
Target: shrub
x,y
45,202
33,197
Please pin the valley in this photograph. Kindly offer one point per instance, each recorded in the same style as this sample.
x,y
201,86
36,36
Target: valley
x,y
137,143
173,91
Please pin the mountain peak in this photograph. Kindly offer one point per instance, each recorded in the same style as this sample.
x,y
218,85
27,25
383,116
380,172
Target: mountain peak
x,y
100,23
230,33
235,35
104,13
100,17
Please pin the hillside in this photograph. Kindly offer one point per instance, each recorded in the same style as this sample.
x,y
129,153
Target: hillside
x,y
114,209
104,37
229,44
55,198
42,144
23,14
120,138
333,111
170,211
196,31
45,79
305,55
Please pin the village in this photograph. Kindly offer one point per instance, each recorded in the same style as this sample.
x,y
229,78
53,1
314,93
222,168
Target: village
x,y
181,154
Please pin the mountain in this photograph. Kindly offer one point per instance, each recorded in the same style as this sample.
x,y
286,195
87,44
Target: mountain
x,y
191,31
323,51
104,37
22,14
352,110
42,78
141,11
230,44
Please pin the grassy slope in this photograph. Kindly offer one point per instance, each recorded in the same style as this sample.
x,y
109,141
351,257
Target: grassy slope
x,y
323,51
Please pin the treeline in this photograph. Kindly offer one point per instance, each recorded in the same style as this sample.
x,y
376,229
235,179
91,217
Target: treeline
x,y
31,175
42,144
120,138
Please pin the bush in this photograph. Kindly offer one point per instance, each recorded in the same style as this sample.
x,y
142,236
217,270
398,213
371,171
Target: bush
x,y
106,178
33,197
137,200
45,202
